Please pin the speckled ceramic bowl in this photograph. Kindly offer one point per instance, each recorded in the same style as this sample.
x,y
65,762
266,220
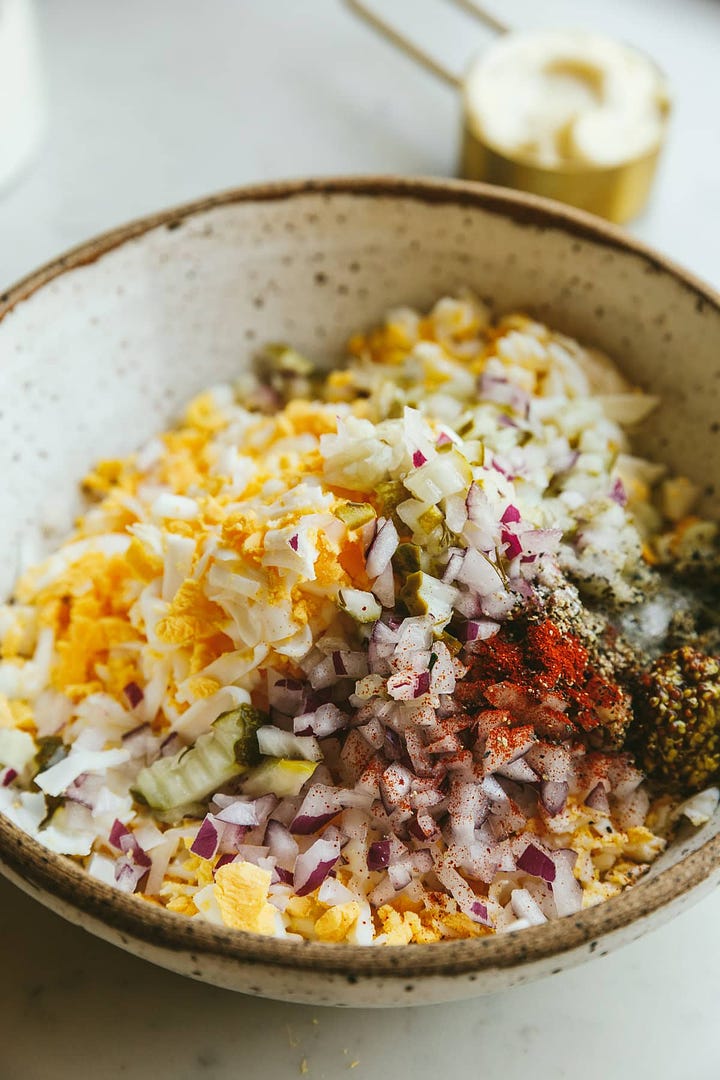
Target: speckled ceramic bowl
x,y
99,349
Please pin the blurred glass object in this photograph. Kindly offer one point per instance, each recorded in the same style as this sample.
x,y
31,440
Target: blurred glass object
x,y
22,104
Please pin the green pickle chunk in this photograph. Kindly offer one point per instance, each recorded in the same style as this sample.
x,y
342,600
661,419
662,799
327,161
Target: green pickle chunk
x,y
354,515
227,750
407,559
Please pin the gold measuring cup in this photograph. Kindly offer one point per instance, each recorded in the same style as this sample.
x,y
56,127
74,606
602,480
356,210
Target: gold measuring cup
x,y
617,192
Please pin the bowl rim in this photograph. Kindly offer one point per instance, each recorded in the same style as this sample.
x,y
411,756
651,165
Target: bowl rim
x,y
57,876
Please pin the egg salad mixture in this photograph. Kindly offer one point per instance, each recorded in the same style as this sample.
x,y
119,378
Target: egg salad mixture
x,y
404,652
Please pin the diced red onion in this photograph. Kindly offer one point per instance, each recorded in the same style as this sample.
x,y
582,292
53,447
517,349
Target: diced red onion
x,y
286,695
207,840
511,514
632,810
519,771
452,567
323,722
240,812
141,742
553,795
254,853
129,874
498,605
567,891
400,874
479,573
504,745
382,549
323,674
354,757
228,857
319,806
382,893
395,785
551,761
378,856
133,693
7,776
117,833
171,745
407,685
536,862
134,864
513,547
618,493
500,391
314,865
478,630
598,800
352,664
459,889
414,635
541,541
418,458
624,777
281,844
382,634
85,790
417,753
525,907
383,587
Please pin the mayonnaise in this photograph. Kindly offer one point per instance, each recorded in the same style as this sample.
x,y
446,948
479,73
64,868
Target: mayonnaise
x,y
567,98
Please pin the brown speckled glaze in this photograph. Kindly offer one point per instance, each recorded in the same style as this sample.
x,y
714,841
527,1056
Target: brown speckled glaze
x,y
99,348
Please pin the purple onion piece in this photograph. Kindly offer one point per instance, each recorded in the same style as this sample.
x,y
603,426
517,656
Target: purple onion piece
x,y
598,800
378,856
207,840
536,862
117,832
479,911
134,694
553,795
228,857
511,514
314,865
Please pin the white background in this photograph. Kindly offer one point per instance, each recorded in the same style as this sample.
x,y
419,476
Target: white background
x,y
155,102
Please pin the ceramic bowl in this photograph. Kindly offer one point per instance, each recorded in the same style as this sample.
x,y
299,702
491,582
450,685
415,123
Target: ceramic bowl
x,y
100,348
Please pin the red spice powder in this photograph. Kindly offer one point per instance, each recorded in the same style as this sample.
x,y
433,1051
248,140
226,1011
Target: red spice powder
x,y
538,659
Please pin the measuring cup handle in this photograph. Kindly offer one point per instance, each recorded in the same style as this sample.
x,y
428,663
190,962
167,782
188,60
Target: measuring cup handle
x,y
415,52
400,41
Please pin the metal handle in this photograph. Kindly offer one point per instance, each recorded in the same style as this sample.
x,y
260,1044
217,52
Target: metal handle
x,y
415,52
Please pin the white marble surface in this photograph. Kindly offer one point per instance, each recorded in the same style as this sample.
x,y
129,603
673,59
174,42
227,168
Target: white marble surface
x,y
152,104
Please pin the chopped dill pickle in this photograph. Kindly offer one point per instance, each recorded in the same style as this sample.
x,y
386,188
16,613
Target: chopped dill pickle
x,y
197,771
354,515
51,749
389,494
285,359
423,594
407,559
430,519
451,643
